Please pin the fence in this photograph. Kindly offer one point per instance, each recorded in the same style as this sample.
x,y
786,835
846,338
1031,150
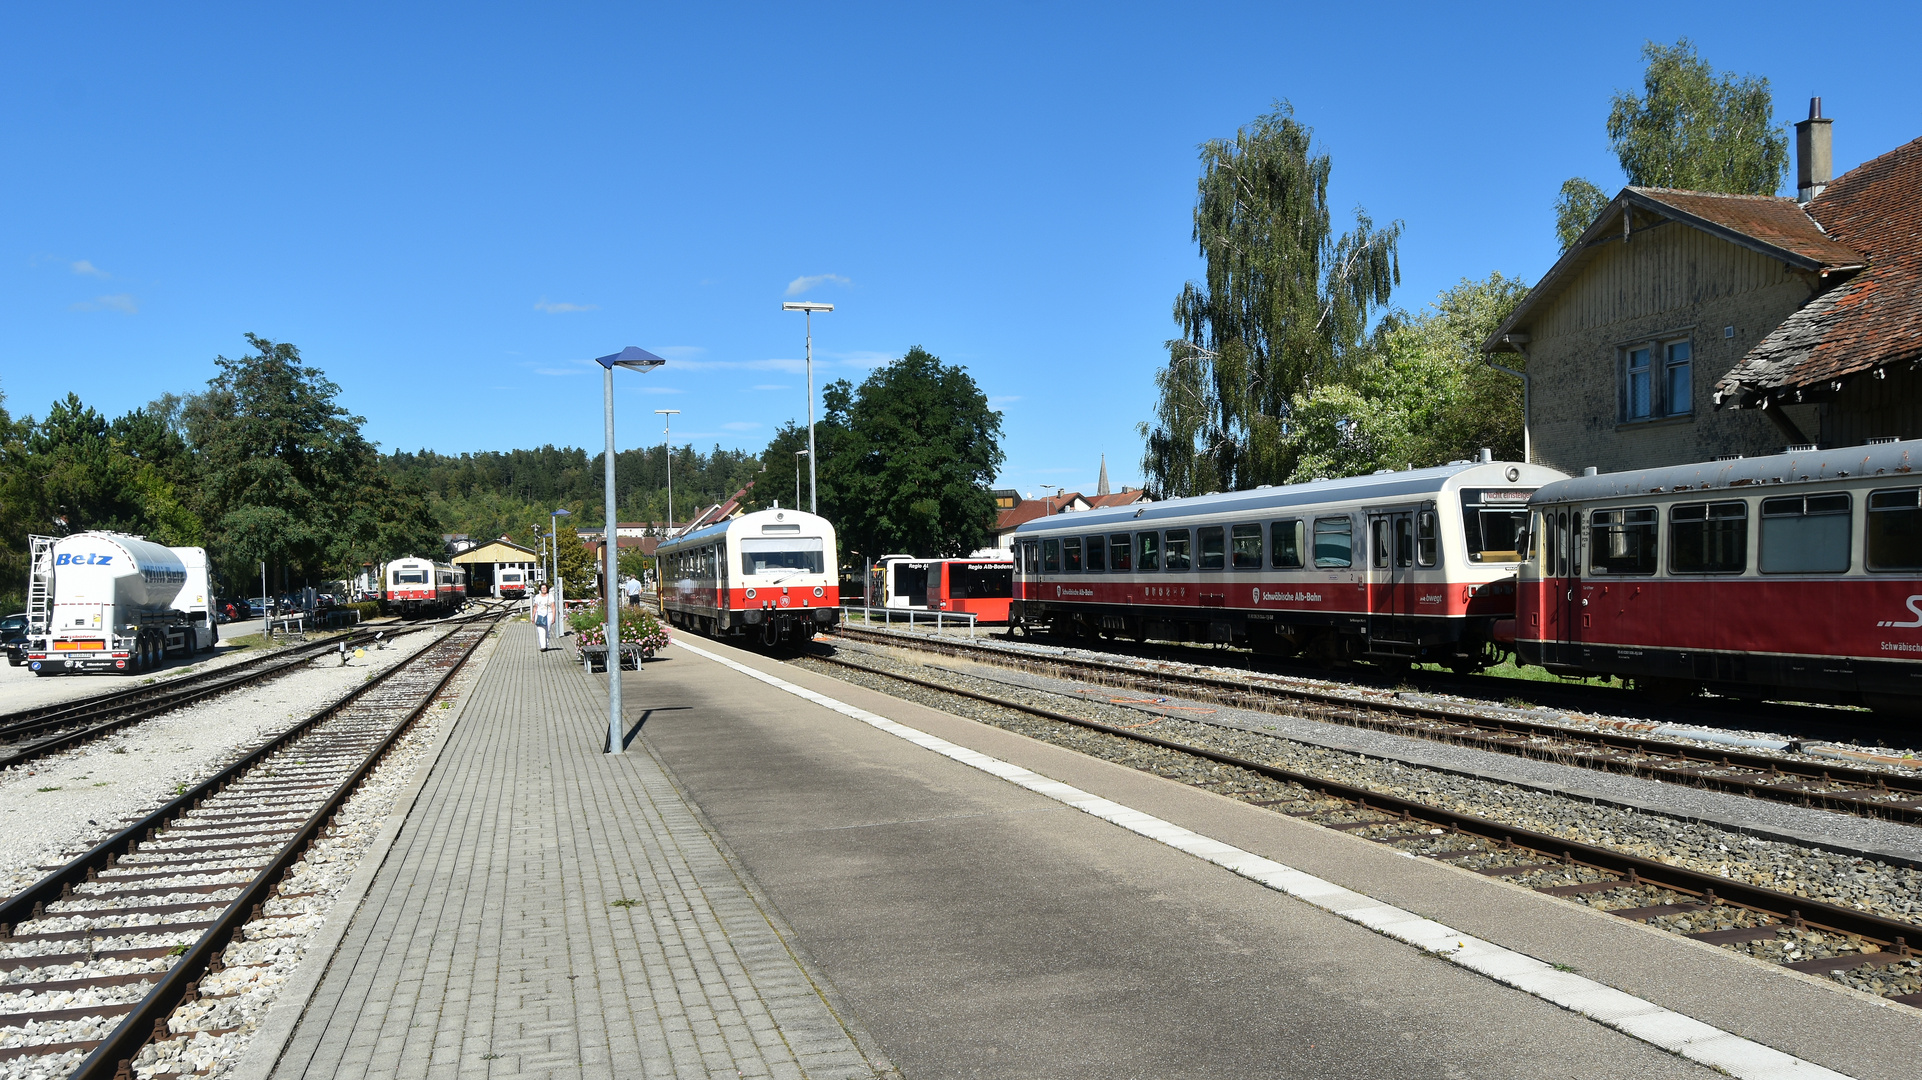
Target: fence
x,y
912,616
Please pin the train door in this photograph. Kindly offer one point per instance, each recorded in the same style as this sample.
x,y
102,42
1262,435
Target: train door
x,y
1562,585
1391,561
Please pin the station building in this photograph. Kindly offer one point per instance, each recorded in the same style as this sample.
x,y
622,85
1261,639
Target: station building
x,y
484,563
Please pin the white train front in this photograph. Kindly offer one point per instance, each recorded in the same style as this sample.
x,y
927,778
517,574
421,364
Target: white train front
x,y
1401,567
771,574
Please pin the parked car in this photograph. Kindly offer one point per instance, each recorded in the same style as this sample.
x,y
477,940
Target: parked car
x,y
13,636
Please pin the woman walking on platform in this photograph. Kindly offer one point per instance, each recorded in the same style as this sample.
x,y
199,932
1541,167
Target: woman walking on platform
x,y
543,617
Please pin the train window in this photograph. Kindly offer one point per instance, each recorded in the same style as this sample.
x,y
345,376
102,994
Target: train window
x,y
1051,556
410,577
1097,555
1895,530
1379,552
783,556
1177,550
1708,538
1150,550
1119,548
1071,555
1494,535
1245,545
1030,557
1622,541
1284,545
1425,538
1334,542
1805,534
1210,544
1404,540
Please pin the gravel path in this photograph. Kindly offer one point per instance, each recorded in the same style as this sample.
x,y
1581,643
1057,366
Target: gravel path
x,y
54,808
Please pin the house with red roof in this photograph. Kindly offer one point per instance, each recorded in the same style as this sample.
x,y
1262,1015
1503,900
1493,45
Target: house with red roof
x,y
1686,326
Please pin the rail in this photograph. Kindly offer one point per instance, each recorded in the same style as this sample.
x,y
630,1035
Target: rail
x,y
937,618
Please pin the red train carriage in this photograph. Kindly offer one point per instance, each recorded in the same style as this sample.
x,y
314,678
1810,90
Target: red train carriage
x,y
1791,576
1398,567
413,586
981,587
769,575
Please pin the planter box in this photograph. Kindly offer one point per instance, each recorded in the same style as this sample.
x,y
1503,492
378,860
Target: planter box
x,y
594,657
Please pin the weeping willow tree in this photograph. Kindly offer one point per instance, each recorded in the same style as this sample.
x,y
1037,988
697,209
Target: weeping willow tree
x,y
1283,303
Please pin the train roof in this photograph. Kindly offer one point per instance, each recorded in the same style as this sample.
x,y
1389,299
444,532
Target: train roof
x,y
1895,460
1407,483
719,529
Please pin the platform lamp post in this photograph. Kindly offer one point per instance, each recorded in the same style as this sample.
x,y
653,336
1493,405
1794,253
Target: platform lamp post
x,y
554,575
814,506
798,455
667,443
634,360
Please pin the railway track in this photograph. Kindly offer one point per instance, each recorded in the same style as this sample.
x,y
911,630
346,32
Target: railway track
x,y
97,955
1857,948
1825,785
50,729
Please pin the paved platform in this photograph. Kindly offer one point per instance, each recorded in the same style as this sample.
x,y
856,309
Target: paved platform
x,y
549,910
980,929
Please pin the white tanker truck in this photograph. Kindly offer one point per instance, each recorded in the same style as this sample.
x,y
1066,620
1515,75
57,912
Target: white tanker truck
x,y
122,604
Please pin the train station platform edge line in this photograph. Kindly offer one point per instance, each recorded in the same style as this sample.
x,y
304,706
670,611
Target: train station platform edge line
x,y
1631,1015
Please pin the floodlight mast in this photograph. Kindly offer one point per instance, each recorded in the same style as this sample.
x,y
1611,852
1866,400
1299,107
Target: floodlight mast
x,y
814,502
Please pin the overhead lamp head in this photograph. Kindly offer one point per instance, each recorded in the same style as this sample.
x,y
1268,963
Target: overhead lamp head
x,y
631,358
562,513
805,305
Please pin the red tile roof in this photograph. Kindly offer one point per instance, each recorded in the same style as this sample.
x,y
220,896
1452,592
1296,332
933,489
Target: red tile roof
x,y
1033,508
1768,220
1873,319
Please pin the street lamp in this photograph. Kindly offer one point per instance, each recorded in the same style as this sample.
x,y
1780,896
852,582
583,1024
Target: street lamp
x,y
634,360
554,575
667,444
813,496
798,455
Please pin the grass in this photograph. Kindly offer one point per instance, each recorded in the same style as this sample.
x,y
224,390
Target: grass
x,y
624,902
56,788
1507,670
250,641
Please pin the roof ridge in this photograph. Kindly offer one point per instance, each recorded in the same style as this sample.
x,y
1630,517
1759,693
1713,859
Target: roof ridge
x,y
1708,194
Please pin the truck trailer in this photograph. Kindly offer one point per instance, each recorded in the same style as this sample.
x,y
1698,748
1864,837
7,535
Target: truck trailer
x,y
123,604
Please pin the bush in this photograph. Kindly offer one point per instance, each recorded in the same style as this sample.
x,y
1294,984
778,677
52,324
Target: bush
x,y
638,627
368,608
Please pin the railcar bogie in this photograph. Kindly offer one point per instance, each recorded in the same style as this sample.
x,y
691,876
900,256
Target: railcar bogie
x,y
769,577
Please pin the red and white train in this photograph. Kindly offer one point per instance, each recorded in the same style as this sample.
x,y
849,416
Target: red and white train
x,y
413,586
1398,567
1796,575
770,575
983,587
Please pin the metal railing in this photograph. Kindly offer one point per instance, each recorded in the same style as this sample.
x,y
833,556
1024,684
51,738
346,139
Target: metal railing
x,y
937,619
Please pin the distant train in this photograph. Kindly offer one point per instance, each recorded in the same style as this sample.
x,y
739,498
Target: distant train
x,y
1399,567
513,583
769,575
983,588
413,586
1796,575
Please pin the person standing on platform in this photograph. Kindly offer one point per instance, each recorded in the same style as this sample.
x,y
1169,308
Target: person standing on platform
x,y
633,592
543,617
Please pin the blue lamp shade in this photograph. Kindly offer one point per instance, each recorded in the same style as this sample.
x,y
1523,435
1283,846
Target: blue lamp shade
x,y
631,358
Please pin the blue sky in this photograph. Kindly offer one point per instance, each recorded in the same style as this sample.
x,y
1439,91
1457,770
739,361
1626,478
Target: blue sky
x,y
450,209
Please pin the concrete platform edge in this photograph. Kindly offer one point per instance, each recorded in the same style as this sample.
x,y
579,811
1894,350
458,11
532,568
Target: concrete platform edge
x,y
276,1030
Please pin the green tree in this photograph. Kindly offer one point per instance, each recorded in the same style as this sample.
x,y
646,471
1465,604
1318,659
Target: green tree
x,y
575,563
1422,397
1691,128
908,460
1283,304
1576,208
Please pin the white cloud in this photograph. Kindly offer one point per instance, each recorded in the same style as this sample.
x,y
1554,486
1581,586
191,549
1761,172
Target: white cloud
x,y
812,281
121,302
740,425
89,269
558,308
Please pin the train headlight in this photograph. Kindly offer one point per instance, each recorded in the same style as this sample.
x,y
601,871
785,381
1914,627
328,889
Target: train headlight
x,y
750,594
819,591
1513,474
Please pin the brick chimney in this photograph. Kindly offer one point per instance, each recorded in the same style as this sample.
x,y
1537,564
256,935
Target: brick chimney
x,y
1814,156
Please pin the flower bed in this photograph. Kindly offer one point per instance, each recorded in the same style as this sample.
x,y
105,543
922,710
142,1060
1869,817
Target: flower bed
x,y
637,628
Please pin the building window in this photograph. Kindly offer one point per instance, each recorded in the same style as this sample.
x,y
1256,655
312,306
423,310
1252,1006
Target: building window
x,y
1657,380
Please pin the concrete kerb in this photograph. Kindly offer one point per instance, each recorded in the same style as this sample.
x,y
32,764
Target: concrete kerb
x,y
818,982
283,1016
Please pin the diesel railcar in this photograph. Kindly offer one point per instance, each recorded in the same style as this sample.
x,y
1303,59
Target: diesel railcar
x,y
1797,575
1398,567
770,575
422,587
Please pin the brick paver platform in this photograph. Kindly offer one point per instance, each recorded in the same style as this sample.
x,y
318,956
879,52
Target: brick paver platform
x,y
550,910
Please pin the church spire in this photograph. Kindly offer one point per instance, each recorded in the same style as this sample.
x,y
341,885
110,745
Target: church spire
x,y
1101,485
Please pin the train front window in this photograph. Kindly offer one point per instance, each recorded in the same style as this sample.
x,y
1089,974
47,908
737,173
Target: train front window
x,y
782,557
1805,534
1118,552
1622,541
1494,535
1177,552
1895,530
410,577
1708,538
1150,550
